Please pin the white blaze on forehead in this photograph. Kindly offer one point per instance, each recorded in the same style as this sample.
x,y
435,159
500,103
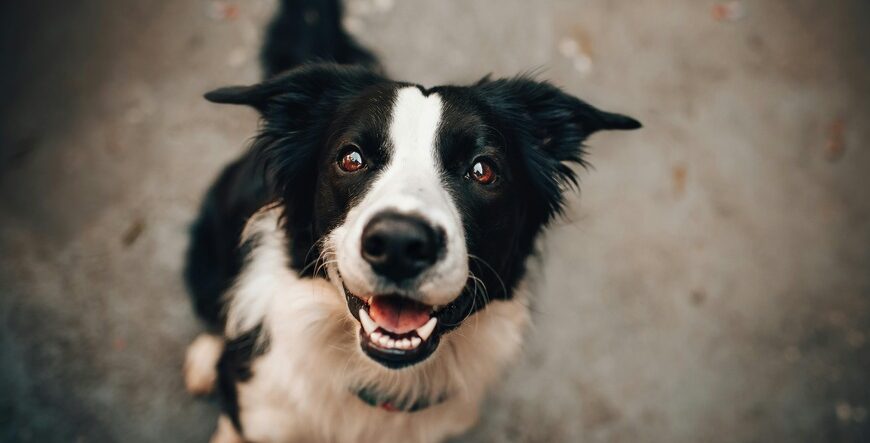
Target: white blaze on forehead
x,y
411,183
414,127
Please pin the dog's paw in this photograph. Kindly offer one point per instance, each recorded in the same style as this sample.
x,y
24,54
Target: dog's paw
x,y
200,363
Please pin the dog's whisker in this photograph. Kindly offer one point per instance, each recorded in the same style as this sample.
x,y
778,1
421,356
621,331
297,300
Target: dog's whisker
x,y
494,272
324,258
323,250
477,281
323,265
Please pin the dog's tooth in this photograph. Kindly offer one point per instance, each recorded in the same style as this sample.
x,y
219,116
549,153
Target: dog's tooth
x,y
415,341
383,340
406,344
426,330
391,343
368,324
375,336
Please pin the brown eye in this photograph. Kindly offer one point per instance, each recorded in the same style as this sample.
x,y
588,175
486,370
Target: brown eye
x,y
350,159
482,172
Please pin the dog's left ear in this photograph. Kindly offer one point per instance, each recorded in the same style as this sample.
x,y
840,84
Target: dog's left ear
x,y
549,108
550,127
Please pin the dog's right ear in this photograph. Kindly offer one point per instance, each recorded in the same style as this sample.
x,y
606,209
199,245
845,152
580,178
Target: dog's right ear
x,y
304,86
255,95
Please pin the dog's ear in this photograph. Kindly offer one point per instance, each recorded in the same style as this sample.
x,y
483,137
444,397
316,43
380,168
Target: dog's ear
x,y
306,85
549,126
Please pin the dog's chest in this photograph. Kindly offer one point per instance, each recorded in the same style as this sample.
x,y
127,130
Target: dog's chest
x,y
306,385
302,408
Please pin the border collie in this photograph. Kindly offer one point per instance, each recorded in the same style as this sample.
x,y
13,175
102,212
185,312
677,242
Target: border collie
x,y
361,267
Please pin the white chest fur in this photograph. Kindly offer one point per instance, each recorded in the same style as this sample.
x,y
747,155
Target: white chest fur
x,y
301,388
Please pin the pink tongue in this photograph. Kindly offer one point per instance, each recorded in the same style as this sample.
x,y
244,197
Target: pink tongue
x,y
397,314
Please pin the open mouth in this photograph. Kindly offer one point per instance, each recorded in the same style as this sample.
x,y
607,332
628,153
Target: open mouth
x,y
395,331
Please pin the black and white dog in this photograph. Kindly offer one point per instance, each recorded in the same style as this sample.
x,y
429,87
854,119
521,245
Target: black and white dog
x,y
362,266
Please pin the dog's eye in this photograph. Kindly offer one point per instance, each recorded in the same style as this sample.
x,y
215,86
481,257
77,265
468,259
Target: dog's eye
x,y
350,159
482,172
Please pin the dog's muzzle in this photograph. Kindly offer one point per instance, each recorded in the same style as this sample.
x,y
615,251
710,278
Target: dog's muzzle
x,y
396,326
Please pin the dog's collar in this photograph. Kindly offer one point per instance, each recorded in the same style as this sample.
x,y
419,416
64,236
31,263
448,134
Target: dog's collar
x,y
371,397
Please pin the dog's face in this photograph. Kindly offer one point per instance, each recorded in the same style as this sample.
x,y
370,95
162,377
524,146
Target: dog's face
x,y
421,205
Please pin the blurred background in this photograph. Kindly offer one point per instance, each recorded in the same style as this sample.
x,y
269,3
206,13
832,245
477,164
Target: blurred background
x,y
710,283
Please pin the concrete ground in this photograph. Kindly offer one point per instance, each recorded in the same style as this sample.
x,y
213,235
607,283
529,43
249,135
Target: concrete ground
x,y
711,284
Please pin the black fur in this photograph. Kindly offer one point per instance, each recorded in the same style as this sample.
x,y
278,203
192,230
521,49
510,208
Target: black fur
x,y
214,257
234,366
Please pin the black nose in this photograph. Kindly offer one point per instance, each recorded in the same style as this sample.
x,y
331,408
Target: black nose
x,y
400,246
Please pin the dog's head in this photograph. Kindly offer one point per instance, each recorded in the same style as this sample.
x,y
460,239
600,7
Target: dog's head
x,y
422,205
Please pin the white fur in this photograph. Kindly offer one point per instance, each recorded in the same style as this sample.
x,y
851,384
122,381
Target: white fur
x,y
251,295
202,355
410,184
301,389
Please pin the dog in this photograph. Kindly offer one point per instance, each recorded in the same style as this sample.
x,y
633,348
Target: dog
x,y
361,268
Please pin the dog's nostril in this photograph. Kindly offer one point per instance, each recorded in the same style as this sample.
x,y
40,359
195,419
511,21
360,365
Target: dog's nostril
x,y
400,246
373,246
